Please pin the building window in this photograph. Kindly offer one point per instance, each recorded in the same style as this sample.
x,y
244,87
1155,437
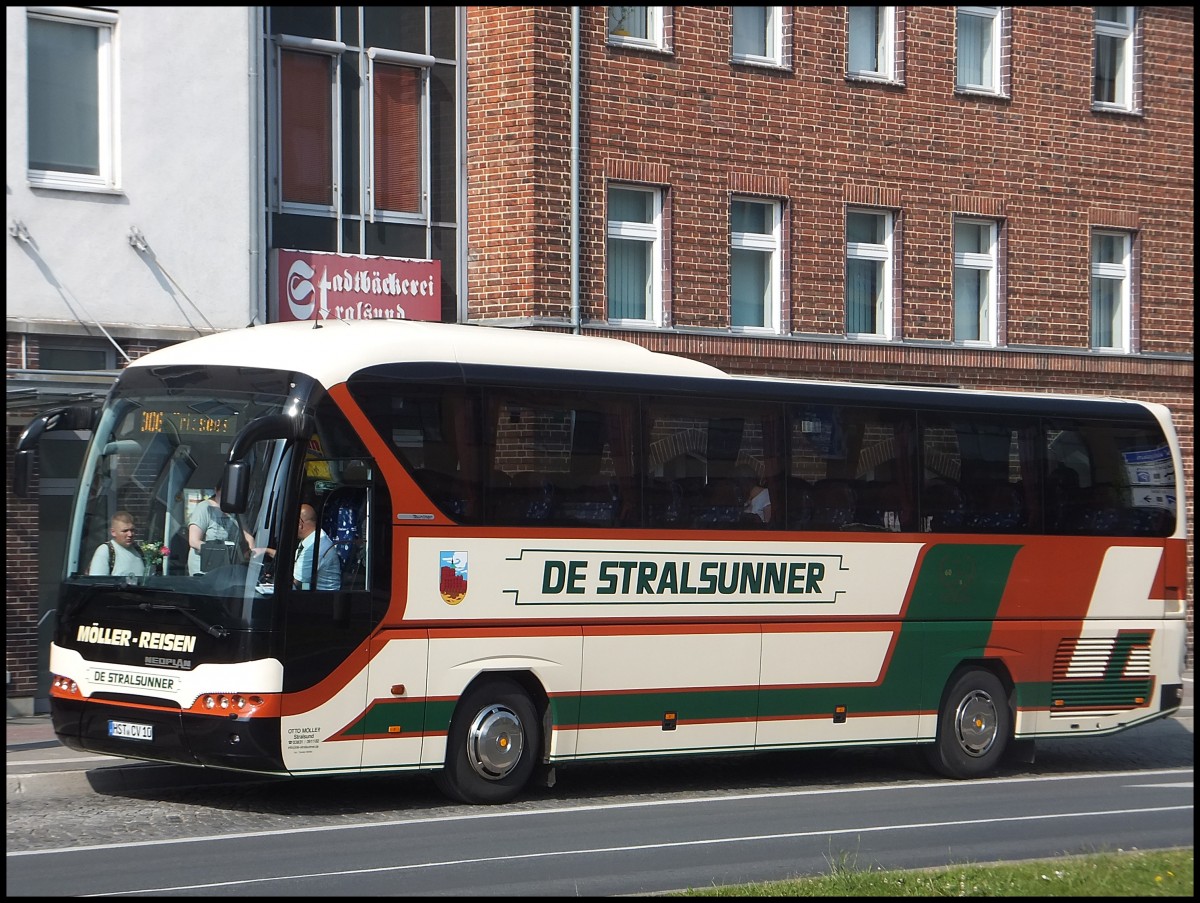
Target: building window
x,y
1112,76
757,35
365,127
869,273
635,255
975,281
72,105
754,264
64,353
397,171
1111,290
871,40
978,48
636,26
306,127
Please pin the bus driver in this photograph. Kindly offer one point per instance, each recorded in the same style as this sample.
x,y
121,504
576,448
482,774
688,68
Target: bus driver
x,y
329,565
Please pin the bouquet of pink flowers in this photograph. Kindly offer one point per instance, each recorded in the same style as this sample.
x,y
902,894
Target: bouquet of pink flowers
x,y
153,553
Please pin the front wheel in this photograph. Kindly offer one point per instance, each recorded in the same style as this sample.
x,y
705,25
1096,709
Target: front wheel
x,y
974,726
492,745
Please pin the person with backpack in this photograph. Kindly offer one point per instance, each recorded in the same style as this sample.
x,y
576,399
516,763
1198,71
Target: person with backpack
x,y
120,556
213,536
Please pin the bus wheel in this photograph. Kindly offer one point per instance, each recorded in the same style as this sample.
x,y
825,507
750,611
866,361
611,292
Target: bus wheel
x,y
974,726
492,745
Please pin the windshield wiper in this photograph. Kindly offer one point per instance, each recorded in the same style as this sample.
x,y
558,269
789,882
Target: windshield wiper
x,y
213,629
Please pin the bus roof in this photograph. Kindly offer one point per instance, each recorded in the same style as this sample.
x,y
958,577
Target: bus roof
x,y
339,348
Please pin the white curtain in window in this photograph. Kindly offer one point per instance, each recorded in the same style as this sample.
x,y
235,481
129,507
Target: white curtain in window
x,y
751,286
974,266
864,295
628,279
1110,58
750,31
970,292
64,97
974,50
865,39
628,21
1106,329
1114,34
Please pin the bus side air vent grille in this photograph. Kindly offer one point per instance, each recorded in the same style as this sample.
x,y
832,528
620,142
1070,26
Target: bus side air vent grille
x,y
1101,673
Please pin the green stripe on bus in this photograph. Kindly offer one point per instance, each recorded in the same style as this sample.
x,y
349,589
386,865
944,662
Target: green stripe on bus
x,y
949,618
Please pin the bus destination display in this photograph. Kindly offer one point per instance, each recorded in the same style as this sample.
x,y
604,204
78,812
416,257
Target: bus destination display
x,y
187,422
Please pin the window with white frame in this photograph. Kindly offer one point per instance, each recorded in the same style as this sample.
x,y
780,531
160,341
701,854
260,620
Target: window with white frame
x,y
638,26
754,264
72,106
308,120
634,255
870,38
1112,76
869,272
978,48
757,35
397,171
975,281
1111,289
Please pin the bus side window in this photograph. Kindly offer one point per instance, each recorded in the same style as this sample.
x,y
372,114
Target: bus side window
x,y
1109,479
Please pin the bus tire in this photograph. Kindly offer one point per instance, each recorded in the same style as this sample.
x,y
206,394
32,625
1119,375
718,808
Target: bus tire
x,y
492,746
974,726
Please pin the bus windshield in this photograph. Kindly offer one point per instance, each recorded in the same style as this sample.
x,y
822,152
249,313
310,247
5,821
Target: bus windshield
x,y
147,520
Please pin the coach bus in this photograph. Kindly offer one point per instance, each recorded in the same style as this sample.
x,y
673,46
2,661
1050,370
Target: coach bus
x,y
555,548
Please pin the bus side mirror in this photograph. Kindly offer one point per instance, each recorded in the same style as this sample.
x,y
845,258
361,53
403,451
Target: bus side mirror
x,y
22,473
69,417
235,492
235,495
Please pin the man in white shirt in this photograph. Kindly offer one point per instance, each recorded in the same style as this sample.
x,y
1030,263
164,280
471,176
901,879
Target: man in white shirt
x,y
120,556
329,566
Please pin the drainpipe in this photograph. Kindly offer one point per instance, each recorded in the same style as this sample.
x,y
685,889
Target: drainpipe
x,y
259,312
575,315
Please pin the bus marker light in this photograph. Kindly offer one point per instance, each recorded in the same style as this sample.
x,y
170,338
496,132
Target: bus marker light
x,y
398,689
669,720
394,728
839,714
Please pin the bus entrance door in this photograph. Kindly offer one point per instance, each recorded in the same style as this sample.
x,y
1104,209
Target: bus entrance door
x,y
325,678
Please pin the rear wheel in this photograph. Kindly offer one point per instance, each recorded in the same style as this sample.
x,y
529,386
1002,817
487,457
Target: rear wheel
x,y
492,746
974,726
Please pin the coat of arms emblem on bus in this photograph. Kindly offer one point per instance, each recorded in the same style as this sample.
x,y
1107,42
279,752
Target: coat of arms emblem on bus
x,y
453,581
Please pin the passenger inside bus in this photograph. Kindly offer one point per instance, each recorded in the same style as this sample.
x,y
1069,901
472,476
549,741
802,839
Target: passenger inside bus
x,y
120,556
213,536
315,542
756,495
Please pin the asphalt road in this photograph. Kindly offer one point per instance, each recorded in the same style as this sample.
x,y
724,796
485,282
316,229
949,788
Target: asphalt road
x,y
78,825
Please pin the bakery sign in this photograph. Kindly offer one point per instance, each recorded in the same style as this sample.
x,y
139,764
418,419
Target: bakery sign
x,y
316,285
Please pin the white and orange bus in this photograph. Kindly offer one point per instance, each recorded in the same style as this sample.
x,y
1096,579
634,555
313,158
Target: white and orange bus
x,y
556,548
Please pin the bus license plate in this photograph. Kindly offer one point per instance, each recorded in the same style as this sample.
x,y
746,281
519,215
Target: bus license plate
x,y
127,730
